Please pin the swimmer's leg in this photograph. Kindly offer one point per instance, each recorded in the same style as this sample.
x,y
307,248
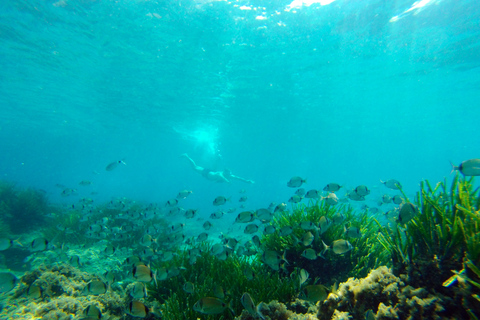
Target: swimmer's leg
x,y
192,163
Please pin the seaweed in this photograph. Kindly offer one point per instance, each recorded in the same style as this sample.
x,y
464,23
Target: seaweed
x,y
329,268
22,209
208,272
442,238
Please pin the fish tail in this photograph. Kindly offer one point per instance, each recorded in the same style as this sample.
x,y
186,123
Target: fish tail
x,y
17,242
454,167
283,256
326,248
259,312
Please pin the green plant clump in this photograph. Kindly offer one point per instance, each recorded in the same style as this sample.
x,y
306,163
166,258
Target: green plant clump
x,y
444,237
209,272
367,253
22,209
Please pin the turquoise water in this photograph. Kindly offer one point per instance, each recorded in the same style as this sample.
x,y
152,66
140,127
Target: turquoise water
x,y
351,92
330,93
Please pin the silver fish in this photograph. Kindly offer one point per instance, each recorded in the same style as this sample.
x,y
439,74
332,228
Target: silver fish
x,y
468,168
392,184
296,182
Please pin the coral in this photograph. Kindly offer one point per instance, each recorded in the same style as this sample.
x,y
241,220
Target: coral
x,y
61,287
387,295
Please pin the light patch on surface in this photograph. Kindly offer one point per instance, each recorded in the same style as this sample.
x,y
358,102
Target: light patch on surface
x,y
296,4
205,138
414,9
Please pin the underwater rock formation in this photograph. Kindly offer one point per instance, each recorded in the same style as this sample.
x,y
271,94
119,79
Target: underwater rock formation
x,y
388,296
60,296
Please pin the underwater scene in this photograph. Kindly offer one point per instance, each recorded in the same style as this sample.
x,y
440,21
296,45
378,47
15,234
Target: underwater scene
x,y
244,159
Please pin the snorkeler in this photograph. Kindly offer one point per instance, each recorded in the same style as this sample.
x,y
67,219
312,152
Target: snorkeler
x,y
217,176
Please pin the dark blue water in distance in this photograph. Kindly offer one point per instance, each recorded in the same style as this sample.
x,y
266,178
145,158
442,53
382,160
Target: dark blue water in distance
x,y
342,92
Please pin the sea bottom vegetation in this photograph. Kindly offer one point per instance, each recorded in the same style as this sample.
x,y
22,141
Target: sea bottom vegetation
x,y
439,248
21,209
212,277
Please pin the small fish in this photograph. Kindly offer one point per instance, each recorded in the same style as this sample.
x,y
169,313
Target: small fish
x,y
332,187
219,292
300,192
308,225
245,217
210,305
256,241
338,218
370,315
302,276
285,231
251,228
280,207
74,261
114,164
146,241
312,194
85,183
272,257
189,287
202,237
142,273
352,232
93,312
468,168
95,287
190,213
361,191
355,197
7,281
207,225
309,254
338,247
324,224
248,304
392,184
386,198
249,274
176,227
111,277
296,182
39,244
137,309
295,199
183,194
264,215
34,291
243,199
331,199
269,229
6,243
307,239
314,293
407,212
220,200
171,203
109,250
216,215
397,199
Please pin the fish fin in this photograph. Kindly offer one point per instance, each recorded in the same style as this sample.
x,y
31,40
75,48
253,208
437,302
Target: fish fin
x,y
258,310
326,248
17,242
155,278
283,256
454,167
